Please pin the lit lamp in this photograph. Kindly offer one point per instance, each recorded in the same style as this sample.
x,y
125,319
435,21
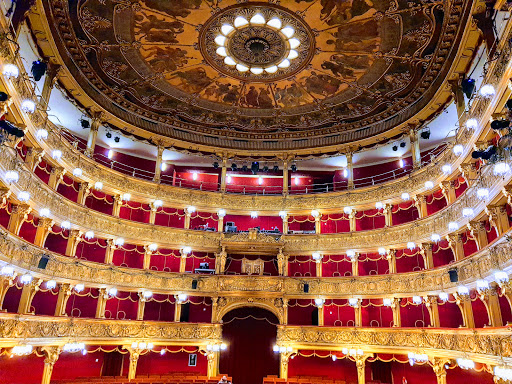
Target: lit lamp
x,y
417,358
352,352
141,346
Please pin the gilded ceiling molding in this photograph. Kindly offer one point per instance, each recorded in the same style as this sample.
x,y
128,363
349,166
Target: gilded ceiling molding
x,y
46,330
25,256
492,346
142,233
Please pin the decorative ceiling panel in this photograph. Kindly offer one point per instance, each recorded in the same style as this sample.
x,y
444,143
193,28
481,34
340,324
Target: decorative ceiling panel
x,y
228,72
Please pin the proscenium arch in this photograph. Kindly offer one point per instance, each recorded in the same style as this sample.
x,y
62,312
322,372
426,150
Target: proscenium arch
x,y
269,306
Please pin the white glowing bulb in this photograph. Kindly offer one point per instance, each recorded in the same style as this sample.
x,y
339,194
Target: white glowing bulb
x,y
347,210
467,212
158,203
443,296
416,300
382,251
294,43
10,70
186,250
386,302
229,61
41,134
501,168
345,173
229,179
429,184
126,197
351,254
65,225
7,270
447,169
98,185
28,106
353,302
191,209
316,256
163,167
110,154
293,54
12,177
487,91
254,215
44,212
405,196
272,69
296,180
288,32
275,23
112,291
50,284
153,247
194,176
411,245
221,51
257,70
77,172
147,294
260,180
401,163
482,193
315,213
472,124
482,285
242,68
220,40
26,279
463,290
226,29
284,64
119,242
182,297
453,226
79,287
240,21
379,205
56,154
221,212
319,302
501,276
282,214
435,237
89,235
23,196
258,19
458,149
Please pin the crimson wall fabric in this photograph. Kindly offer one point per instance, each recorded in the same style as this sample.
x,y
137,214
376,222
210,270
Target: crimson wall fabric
x,y
250,337
171,362
322,367
31,366
73,365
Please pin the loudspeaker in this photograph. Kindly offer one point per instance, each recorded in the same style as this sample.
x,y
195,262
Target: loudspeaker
x,y
306,288
185,312
194,284
314,317
454,275
43,261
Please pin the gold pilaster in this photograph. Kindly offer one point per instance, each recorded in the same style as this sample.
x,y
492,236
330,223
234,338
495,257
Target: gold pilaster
x,y
391,258
93,133
109,251
75,237
448,191
498,218
158,164
56,175
395,307
433,311
84,190
466,309
51,354
6,282
438,365
44,226
101,303
27,295
415,148
116,207
65,291
420,201
490,299
388,217
456,245
34,156
18,216
426,252
350,170
478,232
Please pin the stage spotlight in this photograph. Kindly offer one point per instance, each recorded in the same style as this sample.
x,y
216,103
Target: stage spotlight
x,y
500,124
484,155
425,134
38,69
244,168
395,148
10,129
275,169
402,144
85,123
468,87
215,165
255,167
109,135
117,139
294,167
3,96
265,168
234,167
509,105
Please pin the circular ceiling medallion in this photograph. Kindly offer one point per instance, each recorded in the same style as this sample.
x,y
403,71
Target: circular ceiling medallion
x,y
257,42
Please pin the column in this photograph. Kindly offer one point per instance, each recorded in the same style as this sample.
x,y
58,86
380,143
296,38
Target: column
x,y
350,170
358,314
158,164
286,177
420,201
5,193
498,218
116,207
360,364
285,311
75,237
187,219
51,77
215,307
478,232
448,191
34,156
177,311
6,282
101,303
318,224
282,263
388,218
93,133
152,213
426,252
285,224
4,107
391,257
464,304
415,148
183,262
44,226
507,192
318,264
109,251
491,300
433,311
220,224
51,356
140,306
65,291
134,359
84,190
320,316
438,365
223,174
395,307
352,220
213,363
457,246
220,261
27,295
468,172
284,359
56,175
505,286
146,263
355,265
458,96
18,216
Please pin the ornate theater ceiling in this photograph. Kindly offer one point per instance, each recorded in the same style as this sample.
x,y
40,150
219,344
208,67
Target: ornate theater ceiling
x,y
249,75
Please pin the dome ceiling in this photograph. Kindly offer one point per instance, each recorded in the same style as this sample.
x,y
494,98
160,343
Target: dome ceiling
x,y
259,75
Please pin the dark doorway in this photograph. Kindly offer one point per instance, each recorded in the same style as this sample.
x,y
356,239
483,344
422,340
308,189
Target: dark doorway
x,y
250,334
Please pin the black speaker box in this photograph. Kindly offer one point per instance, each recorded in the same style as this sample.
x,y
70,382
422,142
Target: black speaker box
x,y
306,288
194,284
43,261
454,275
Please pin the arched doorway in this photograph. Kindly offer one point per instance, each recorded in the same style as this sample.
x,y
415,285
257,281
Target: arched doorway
x,y
250,334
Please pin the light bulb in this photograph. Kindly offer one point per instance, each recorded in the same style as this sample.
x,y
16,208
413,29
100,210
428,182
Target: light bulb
x,y
487,91
501,168
416,300
186,250
44,212
89,235
411,245
242,68
153,247
458,149
226,29
443,296
77,172
453,226
110,154
379,205
282,214
405,196
429,184
119,242
26,279
41,134
482,193
257,71
158,203
254,215
260,180
271,69
382,251
65,225
472,124
315,213
56,154
220,40
28,106
50,284
79,287
98,185
112,291
435,237
294,43
229,61
288,31
275,23
258,19
221,213
447,169
463,290
191,209
292,55
240,21
7,270
24,196
347,210
182,297
467,212
386,302
10,70
11,177
284,64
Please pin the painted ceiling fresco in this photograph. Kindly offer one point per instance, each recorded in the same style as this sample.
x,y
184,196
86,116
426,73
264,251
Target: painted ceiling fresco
x,y
361,62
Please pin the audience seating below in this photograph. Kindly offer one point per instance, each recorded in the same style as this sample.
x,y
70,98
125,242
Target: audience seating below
x,y
272,379
175,378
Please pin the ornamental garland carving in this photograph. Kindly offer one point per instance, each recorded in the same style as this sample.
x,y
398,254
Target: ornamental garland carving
x,y
87,330
477,342
484,263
